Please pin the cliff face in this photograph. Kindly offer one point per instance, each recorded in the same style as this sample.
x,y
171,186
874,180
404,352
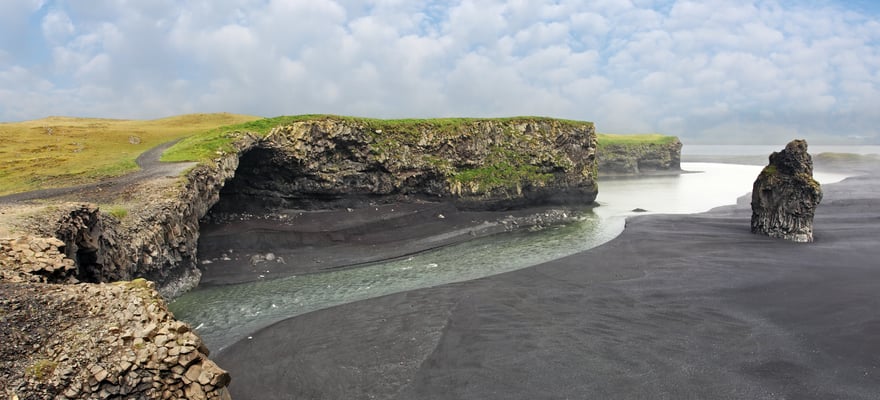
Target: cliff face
x,y
628,159
118,340
159,243
327,162
486,164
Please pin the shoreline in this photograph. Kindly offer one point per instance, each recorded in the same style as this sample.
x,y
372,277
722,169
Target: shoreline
x,y
531,332
307,242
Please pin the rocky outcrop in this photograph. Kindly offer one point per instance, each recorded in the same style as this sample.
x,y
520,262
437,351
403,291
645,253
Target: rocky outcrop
x,y
157,242
485,164
785,195
34,259
100,341
632,159
326,162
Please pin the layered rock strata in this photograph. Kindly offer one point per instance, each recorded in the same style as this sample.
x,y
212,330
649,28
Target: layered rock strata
x,y
478,164
107,341
633,159
332,162
785,195
99,340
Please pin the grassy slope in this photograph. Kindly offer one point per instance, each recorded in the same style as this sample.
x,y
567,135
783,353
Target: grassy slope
x,y
64,151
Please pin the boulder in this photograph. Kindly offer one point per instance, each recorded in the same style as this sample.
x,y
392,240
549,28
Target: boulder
x,y
785,195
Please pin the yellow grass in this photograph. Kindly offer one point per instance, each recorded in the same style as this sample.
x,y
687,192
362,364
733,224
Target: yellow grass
x,y
65,151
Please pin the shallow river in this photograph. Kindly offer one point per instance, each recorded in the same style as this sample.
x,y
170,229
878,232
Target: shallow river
x,y
225,314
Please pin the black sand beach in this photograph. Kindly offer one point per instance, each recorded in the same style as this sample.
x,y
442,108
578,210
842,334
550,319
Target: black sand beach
x,y
322,240
677,307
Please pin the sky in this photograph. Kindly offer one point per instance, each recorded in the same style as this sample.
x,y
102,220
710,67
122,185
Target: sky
x,y
710,71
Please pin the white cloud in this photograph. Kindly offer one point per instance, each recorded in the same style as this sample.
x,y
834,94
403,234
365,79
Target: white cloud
x,y
57,26
683,67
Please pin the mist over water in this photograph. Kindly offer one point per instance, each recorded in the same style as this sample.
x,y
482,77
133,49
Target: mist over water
x,y
225,314
709,185
766,150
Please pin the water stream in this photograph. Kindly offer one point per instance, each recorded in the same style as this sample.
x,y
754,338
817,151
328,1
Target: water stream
x,y
225,314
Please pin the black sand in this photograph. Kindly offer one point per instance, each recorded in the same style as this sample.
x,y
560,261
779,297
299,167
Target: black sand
x,y
677,307
317,241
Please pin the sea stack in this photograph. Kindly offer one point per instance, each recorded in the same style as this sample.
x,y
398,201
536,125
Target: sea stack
x,y
785,195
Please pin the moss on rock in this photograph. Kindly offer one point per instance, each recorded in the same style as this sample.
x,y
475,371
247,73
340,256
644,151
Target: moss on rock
x,y
496,161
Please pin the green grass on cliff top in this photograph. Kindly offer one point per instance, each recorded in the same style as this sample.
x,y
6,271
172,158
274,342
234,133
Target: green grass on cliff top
x,y
66,151
205,146
610,139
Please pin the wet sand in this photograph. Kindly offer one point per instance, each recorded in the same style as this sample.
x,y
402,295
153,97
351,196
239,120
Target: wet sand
x,y
304,242
677,307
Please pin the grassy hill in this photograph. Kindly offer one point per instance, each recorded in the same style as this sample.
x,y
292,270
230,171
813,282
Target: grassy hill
x,y
64,151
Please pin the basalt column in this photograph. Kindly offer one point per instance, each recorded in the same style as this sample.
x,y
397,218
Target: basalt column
x,y
785,195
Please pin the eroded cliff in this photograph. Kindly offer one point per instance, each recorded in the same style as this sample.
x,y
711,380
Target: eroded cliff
x,y
638,157
132,347
476,163
328,162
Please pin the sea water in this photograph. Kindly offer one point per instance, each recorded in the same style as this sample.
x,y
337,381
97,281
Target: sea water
x,y
225,314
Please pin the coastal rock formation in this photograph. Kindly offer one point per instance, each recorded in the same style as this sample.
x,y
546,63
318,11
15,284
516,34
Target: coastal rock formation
x,y
484,164
785,195
332,162
630,159
100,341
158,243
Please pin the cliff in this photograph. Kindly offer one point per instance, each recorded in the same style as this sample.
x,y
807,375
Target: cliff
x,y
152,232
103,340
324,162
327,162
330,161
631,155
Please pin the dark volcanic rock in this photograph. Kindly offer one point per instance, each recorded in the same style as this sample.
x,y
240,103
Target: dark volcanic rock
x,y
330,162
100,341
633,159
785,195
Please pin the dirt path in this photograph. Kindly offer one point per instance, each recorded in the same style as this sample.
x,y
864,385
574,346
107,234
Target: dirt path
x,y
150,168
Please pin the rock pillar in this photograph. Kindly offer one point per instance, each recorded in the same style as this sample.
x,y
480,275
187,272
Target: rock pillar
x,y
785,195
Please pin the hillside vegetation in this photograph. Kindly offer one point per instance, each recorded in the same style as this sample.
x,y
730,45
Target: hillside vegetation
x,y
611,139
205,146
65,151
